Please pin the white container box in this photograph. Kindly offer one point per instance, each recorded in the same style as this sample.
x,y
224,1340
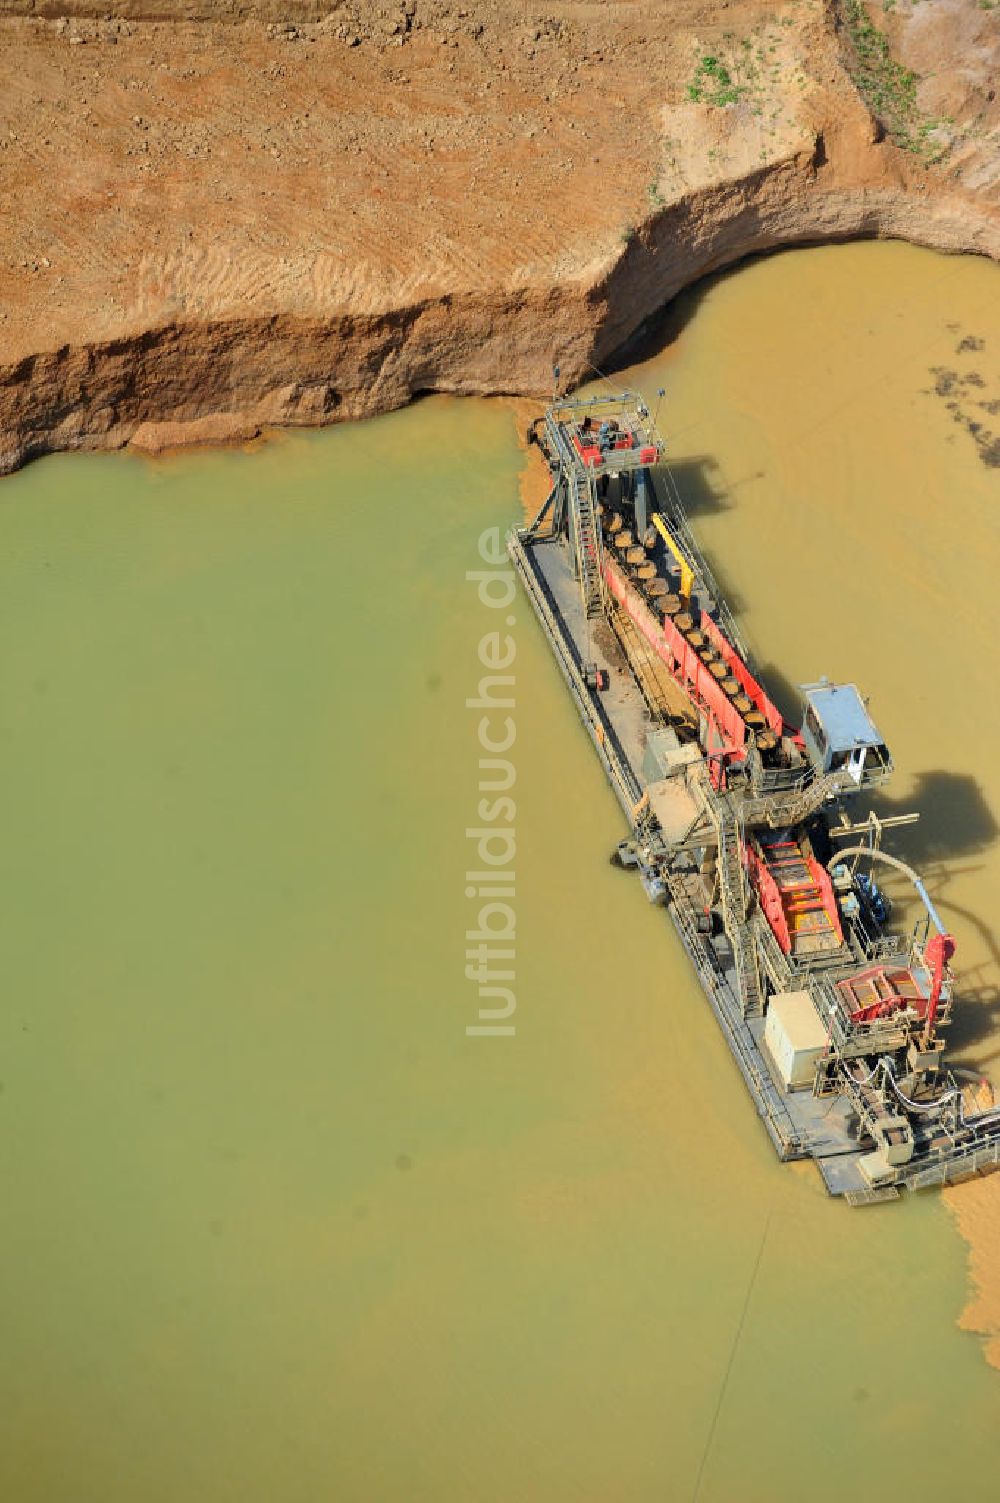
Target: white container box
x,y
795,1037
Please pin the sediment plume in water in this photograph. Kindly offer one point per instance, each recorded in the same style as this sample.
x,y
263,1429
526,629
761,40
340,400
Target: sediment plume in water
x,y
976,1209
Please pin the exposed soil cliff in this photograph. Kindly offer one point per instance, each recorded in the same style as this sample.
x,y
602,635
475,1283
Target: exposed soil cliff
x,y
214,225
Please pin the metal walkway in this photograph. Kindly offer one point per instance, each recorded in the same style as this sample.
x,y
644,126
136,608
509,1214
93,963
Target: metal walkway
x,y
735,897
587,543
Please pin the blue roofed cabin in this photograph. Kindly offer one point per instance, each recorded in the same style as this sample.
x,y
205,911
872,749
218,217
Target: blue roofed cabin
x,y
840,735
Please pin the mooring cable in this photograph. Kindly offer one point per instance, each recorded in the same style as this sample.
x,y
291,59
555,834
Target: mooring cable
x,y
732,1357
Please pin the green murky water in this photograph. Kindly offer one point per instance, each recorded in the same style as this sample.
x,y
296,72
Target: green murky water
x,y
275,1227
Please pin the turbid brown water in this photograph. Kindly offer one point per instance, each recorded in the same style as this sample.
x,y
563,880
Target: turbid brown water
x,y
847,404
276,1227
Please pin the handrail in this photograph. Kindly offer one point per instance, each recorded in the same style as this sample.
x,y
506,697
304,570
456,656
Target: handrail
x,y
682,527
769,1103
629,405
626,784
730,835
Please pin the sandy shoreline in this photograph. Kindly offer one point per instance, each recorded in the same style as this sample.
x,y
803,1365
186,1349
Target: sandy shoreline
x,y
248,223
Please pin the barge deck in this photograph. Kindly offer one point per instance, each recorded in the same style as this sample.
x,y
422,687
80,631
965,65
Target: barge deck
x,y
834,1022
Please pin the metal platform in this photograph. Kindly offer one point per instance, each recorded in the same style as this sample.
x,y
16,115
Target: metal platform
x,y
723,800
799,1125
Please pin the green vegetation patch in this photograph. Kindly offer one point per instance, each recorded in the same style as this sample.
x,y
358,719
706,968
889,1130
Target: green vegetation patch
x,y
714,84
888,87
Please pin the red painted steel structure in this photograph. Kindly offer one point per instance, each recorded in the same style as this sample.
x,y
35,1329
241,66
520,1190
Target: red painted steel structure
x,y
937,952
892,978
593,457
740,671
769,895
726,738
773,897
683,662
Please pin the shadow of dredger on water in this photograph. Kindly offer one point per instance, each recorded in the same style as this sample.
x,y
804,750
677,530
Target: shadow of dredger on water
x,y
955,819
691,479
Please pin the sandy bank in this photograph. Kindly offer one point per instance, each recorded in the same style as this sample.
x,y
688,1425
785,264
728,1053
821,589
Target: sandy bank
x,y
221,225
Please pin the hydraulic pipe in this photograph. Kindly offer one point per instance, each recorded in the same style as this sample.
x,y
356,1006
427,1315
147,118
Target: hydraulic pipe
x,y
924,897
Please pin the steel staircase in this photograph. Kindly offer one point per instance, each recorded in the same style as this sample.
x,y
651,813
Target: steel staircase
x,y
733,892
587,542
785,808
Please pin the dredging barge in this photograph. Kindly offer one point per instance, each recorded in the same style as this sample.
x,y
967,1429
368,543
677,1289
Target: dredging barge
x,y
740,824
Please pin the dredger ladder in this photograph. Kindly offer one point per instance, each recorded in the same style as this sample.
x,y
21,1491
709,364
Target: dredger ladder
x,y
586,542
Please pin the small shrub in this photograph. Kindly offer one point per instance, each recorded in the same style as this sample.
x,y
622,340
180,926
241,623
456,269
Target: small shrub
x,y
713,84
888,87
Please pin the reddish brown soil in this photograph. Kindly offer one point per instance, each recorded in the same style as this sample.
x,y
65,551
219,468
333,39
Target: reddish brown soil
x,y
210,225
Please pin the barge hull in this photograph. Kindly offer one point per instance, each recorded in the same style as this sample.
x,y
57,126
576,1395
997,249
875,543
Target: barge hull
x,y
728,807
538,568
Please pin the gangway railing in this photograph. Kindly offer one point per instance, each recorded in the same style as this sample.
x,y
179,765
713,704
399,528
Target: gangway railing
x,y
626,406
772,1108
682,529
623,780
793,801
954,1164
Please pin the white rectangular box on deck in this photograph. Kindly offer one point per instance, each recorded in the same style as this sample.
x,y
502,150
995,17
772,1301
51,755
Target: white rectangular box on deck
x,y
795,1036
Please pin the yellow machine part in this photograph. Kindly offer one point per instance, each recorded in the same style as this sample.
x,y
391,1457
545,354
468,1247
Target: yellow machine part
x,y
687,573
